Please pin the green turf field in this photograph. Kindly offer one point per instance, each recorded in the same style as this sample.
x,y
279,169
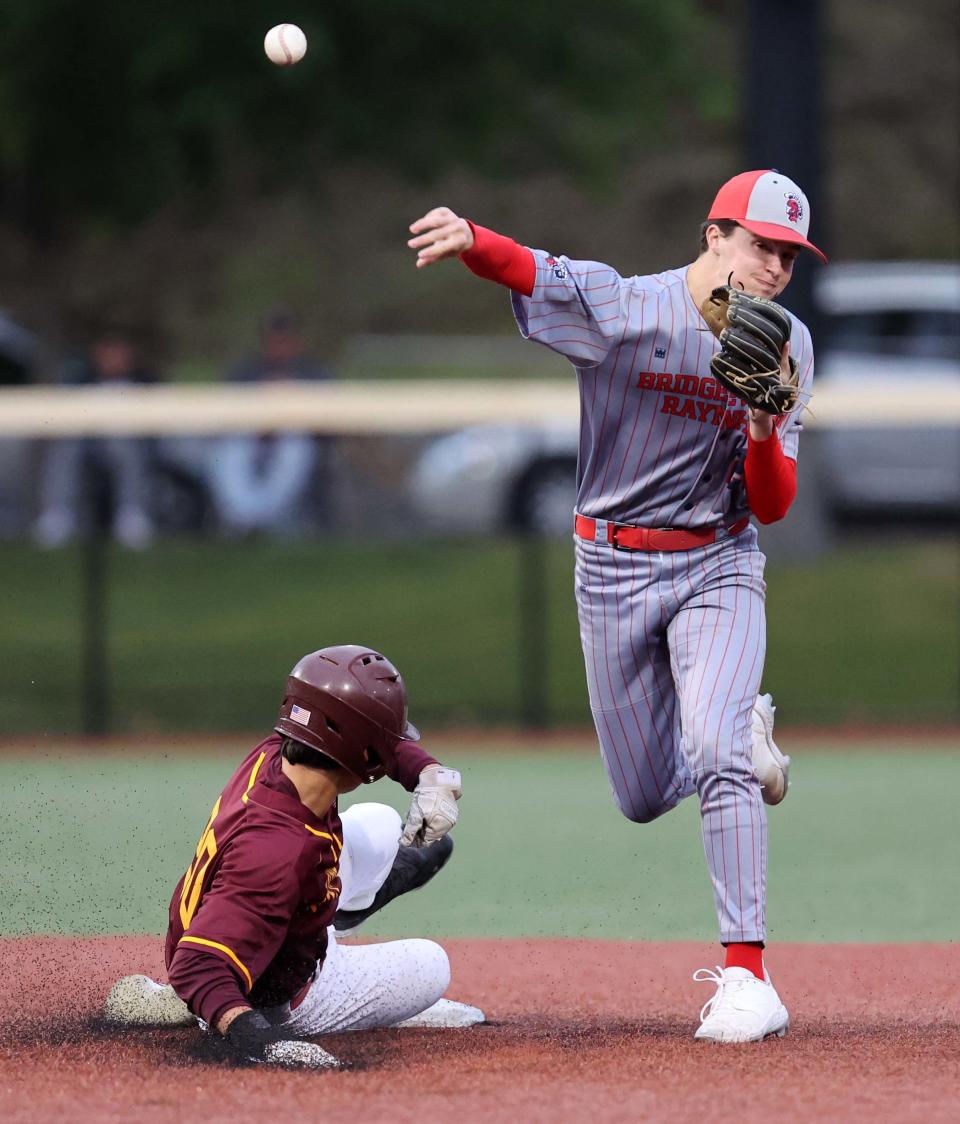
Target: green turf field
x,y
867,634
864,848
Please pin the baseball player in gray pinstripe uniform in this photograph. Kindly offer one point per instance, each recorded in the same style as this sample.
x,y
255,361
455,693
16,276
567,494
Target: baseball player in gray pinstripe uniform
x,y
669,577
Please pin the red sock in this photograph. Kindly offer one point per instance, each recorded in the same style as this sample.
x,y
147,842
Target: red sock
x,y
749,956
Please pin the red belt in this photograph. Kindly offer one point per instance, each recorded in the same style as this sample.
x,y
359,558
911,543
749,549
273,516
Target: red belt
x,y
651,538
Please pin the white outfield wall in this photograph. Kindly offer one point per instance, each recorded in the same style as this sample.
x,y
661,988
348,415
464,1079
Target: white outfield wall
x,y
391,406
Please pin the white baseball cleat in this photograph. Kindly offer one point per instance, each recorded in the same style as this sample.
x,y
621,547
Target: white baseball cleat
x,y
140,1001
771,766
295,1054
743,1009
446,1014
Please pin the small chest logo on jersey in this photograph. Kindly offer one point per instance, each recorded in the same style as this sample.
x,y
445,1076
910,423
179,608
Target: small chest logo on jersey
x,y
559,271
794,208
660,353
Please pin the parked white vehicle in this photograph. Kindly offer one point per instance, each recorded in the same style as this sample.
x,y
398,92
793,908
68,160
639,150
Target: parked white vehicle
x,y
891,322
885,323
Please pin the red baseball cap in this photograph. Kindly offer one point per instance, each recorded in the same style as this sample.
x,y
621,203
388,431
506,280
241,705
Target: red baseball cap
x,y
767,204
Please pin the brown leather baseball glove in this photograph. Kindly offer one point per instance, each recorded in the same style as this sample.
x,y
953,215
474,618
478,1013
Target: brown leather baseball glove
x,y
753,332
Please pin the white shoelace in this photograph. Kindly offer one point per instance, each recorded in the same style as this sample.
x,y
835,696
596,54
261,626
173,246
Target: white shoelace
x,y
706,975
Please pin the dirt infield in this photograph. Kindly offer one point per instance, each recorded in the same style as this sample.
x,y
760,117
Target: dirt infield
x,y
579,1030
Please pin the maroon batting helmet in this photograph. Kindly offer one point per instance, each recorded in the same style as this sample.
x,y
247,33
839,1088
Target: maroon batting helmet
x,y
350,703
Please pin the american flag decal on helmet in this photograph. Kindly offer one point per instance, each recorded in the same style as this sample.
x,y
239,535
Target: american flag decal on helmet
x,y
298,714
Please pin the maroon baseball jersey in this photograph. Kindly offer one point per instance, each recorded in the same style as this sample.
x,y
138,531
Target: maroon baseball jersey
x,y
248,921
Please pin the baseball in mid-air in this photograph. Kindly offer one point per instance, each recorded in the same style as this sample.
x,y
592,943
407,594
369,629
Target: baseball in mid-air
x,y
285,44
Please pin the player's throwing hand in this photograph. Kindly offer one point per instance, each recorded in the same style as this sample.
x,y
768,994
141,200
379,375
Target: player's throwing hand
x,y
439,234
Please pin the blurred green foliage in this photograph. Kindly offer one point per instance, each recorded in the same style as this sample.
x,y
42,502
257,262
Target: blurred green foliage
x,y
109,109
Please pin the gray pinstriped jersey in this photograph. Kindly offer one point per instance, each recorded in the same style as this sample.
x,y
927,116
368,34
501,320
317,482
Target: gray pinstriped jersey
x,y
661,443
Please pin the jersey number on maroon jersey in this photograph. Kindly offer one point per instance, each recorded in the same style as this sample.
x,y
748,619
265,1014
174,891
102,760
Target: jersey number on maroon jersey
x,y
193,879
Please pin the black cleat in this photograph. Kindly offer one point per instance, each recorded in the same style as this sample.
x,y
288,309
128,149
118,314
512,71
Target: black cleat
x,y
412,868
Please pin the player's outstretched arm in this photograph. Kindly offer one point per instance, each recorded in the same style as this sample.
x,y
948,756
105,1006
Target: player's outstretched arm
x,y
442,234
439,234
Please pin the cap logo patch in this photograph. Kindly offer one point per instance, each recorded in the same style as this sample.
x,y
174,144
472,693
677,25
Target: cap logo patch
x,y
299,714
794,207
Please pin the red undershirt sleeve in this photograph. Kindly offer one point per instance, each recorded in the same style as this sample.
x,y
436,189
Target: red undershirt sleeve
x,y
498,258
771,479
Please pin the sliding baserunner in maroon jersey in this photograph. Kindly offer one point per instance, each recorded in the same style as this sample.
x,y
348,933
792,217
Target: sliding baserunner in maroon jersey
x,y
252,949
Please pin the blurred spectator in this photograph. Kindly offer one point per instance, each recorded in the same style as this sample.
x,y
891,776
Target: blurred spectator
x,y
18,352
264,482
77,470
19,358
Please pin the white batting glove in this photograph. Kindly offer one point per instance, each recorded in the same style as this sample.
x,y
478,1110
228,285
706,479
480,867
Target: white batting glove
x,y
433,810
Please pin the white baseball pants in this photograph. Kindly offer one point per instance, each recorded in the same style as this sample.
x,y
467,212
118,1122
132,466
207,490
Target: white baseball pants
x,y
363,987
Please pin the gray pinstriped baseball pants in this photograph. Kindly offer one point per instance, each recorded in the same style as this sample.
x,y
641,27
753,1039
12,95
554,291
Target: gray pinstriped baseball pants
x,y
675,642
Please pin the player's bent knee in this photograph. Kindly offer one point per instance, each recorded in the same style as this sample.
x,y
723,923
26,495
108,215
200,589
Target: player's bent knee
x,y
433,964
644,816
375,827
372,817
641,813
